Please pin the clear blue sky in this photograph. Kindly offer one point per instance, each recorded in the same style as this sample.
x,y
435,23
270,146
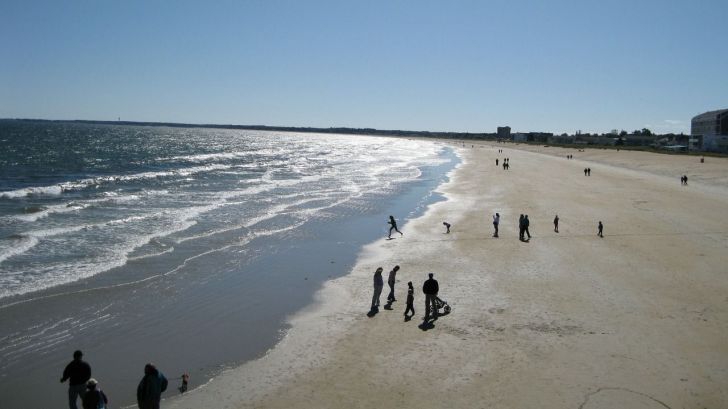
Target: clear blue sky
x,y
421,65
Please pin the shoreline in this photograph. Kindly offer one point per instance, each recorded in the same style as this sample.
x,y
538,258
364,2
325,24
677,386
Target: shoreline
x,y
634,319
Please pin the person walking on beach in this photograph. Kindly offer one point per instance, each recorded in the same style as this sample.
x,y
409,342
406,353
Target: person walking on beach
x,y
378,286
520,227
496,222
588,171
526,223
496,162
149,391
584,171
447,226
556,223
600,229
94,398
410,302
391,280
393,226
430,288
77,372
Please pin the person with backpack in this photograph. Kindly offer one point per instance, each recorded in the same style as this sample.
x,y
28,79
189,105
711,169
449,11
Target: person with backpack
x,y
94,398
149,391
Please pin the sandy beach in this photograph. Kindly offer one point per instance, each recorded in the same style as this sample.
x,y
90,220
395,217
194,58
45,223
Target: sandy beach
x,y
637,319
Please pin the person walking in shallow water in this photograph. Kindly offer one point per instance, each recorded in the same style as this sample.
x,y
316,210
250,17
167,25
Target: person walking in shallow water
x,y
600,229
556,223
391,280
393,226
410,302
430,288
77,372
378,286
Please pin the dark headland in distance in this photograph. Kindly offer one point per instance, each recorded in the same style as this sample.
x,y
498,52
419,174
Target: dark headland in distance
x,y
332,130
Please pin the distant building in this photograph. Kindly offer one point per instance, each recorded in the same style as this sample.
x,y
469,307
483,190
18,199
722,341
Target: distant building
x,y
712,129
520,137
504,132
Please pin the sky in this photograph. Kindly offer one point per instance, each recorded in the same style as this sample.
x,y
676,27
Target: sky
x,y
463,66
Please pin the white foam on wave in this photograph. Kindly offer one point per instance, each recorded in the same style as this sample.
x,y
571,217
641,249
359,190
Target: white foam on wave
x,y
17,246
101,180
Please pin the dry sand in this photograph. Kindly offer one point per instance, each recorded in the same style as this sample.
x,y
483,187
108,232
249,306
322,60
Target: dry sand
x,y
637,319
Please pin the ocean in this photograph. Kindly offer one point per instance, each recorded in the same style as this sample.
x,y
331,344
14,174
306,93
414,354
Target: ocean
x,y
186,247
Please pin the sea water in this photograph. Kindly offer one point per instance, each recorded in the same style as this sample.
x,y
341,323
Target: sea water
x,y
186,247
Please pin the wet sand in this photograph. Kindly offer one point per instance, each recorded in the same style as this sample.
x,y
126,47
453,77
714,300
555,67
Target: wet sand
x,y
637,319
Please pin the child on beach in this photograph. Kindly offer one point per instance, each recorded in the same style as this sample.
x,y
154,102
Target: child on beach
x,y
447,226
410,302
393,224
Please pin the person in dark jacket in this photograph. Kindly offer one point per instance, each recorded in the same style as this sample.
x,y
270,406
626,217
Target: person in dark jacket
x,y
149,391
393,226
430,288
391,280
526,223
94,398
521,229
77,373
378,286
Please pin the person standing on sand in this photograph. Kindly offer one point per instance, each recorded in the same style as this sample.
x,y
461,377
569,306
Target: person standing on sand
x,y
556,223
430,288
588,171
378,286
496,162
391,280
496,222
520,227
584,171
410,301
600,228
94,398
149,391
393,224
78,372
526,223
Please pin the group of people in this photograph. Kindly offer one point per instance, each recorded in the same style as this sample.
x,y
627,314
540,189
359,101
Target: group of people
x,y
684,179
430,288
569,156
82,385
587,171
524,223
506,164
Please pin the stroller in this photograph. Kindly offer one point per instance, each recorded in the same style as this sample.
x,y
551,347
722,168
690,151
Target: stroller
x,y
440,304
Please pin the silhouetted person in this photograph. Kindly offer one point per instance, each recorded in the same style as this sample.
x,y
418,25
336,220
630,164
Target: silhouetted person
x,y
410,301
702,160
686,179
521,229
496,162
78,372
600,228
556,223
430,288
496,223
391,280
94,398
588,171
584,171
149,391
526,223
378,286
447,226
505,165
393,224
